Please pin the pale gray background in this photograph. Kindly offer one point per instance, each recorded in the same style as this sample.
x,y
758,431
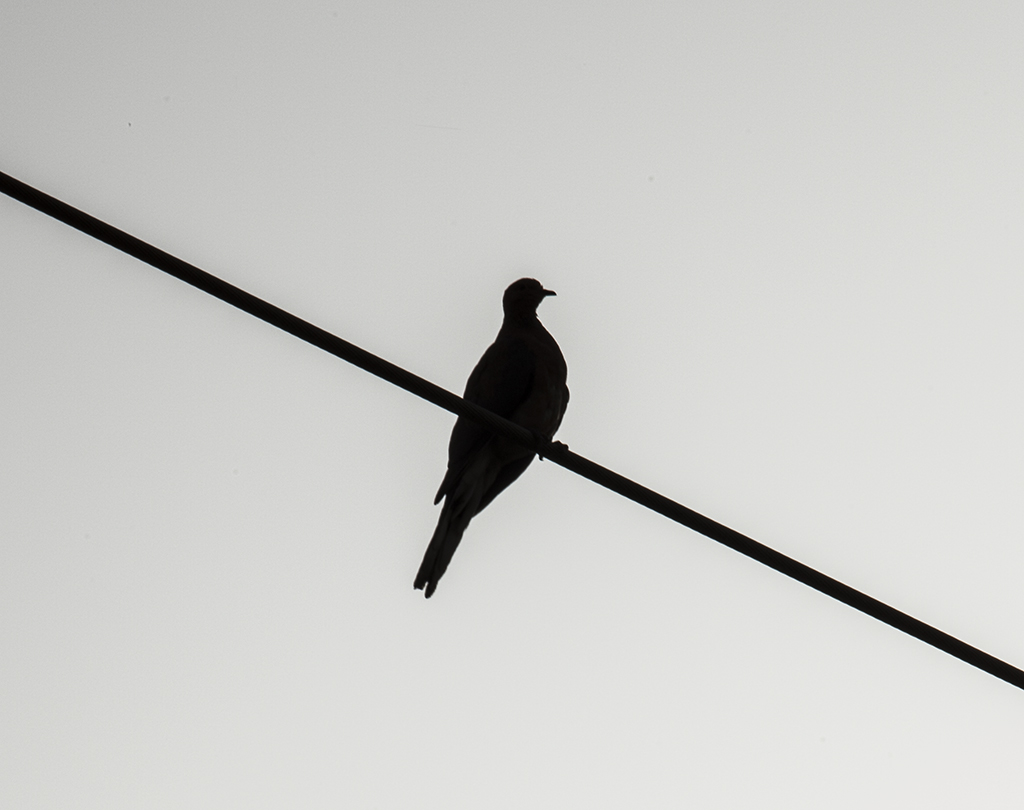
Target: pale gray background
x,y
788,249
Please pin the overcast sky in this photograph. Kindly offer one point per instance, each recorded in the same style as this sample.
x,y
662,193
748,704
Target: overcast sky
x,y
786,240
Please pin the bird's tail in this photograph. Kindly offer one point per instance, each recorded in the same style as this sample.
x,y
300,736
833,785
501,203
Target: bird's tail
x,y
461,503
450,527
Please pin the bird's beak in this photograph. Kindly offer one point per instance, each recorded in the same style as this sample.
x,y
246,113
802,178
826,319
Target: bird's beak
x,y
550,292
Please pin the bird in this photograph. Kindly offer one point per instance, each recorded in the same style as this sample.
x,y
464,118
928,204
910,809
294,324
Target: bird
x,y
522,377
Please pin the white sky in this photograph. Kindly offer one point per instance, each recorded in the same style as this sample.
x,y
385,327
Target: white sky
x,y
787,245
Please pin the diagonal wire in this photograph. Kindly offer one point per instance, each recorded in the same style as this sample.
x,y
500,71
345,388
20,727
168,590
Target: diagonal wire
x,y
555,451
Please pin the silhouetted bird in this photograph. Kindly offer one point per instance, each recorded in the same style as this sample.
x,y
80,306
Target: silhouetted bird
x,y
520,377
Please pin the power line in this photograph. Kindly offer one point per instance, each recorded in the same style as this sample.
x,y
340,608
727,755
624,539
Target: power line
x,y
555,451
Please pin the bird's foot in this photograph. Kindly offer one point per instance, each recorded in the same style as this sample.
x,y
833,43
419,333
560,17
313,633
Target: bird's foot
x,y
548,445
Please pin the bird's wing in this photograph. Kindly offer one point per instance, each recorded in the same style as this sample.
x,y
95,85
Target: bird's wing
x,y
501,382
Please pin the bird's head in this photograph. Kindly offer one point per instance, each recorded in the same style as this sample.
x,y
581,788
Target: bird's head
x,y
522,298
